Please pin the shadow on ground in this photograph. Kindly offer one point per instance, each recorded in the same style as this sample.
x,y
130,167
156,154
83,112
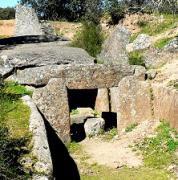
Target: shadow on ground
x,y
64,166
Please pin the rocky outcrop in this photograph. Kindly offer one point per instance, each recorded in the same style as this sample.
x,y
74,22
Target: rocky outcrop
x,y
166,104
40,149
94,126
132,102
114,48
172,45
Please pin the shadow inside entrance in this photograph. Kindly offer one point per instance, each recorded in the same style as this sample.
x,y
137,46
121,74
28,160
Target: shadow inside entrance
x,y
64,167
110,120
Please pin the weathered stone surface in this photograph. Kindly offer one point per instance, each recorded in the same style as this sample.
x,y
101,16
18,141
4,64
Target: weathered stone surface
x,y
155,58
94,126
81,115
5,67
114,48
35,55
102,100
95,76
151,74
52,101
172,45
27,22
132,102
39,139
38,76
166,104
76,77
143,41
140,72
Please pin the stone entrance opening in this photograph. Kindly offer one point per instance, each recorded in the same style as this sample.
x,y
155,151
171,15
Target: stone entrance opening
x,y
81,106
88,106
110,120
82,98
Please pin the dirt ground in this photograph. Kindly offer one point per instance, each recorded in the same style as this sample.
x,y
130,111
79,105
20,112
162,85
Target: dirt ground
x,y
117,152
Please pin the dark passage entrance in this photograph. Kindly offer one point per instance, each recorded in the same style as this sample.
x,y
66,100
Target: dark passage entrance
x,y
110,120
78,98
82,98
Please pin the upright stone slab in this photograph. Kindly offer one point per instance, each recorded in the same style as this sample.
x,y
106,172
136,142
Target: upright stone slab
x,y
27,22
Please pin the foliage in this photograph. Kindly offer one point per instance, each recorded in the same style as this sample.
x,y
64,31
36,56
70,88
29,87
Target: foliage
x,y
71,9
110,134
89,38
158,151
14,135
7,13
116,9
131,127
11,150
162,42
156,27
74,111
136,58
74,147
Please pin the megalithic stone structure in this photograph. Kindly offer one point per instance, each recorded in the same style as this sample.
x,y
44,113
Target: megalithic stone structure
x,y
27,22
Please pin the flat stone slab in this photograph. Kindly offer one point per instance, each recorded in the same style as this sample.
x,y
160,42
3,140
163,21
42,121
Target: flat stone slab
x,y
42,54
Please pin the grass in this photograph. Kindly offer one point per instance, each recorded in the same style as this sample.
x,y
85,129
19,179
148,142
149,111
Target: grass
x,y
74,147
3,36
109,135
74,112
14,130
136,58
158,151
155,27
173,83
104,173
162,42
131,127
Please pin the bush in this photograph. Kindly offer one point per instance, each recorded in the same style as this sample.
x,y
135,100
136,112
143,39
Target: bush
x,y
11,150
7,13
89,38
136,58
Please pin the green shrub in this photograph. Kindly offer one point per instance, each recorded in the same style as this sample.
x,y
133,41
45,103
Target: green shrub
x,y
158,151
11,150
131,127
136,58
162,42
89,38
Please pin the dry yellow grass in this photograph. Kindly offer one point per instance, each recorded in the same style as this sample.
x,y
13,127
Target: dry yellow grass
x,y
7,27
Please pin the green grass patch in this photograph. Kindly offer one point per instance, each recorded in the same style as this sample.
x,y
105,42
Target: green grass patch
x,y
104,173
136,58
110,134
74,112
158,151
131,127
14,130
73,147
3,36
162,42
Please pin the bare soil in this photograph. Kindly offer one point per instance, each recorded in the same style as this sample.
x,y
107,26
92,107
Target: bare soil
x,y
117,152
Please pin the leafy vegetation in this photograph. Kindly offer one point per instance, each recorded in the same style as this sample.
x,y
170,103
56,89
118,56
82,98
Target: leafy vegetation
x,y
162,42
109,135
74,147
131,127
156,27
7,13
14,134
74,111
159,151
136,58
89,38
